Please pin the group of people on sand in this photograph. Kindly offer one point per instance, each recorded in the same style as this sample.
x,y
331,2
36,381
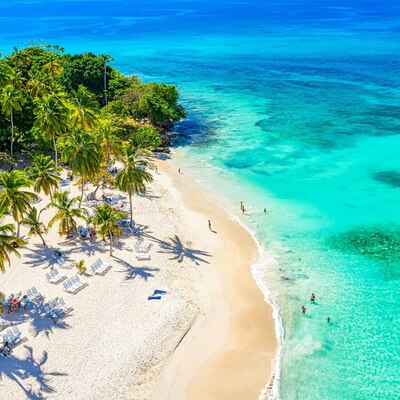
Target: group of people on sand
x,y
312,300
15,304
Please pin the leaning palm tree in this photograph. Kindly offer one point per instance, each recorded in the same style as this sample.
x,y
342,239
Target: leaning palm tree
x,y
35,225
44,174
67,213
11,100
7,241
13,197
82,151
133,177
52,117
84,109
106,221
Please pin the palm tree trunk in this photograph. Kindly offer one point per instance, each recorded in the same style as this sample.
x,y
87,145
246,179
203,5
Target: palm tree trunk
x,y
111,239
18,226
130,203
83,186
97,188
41,237
12,133
55,149
105,82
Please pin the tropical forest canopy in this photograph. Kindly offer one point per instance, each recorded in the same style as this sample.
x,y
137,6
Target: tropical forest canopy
x,y
46,93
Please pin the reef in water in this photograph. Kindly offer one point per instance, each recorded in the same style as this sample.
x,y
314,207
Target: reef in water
x,y
379,243
391,178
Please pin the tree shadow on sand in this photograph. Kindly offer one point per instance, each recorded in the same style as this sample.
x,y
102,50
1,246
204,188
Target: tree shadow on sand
x,y
39,321
132,272
179,251
20,369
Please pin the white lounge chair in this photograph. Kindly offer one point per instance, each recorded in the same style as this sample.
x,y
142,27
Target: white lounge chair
x,y
143,256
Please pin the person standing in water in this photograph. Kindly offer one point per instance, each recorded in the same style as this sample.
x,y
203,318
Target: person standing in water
x,y
303,309
241,205
265,210
328,320
312,299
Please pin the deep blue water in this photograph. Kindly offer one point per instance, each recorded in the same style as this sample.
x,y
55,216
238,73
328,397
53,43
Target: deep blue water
x,y
293,106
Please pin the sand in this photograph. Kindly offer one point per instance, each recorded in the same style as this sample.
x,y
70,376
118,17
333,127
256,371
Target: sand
x,y
211,337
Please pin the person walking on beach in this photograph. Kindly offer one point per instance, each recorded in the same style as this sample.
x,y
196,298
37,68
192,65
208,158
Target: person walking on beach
x,y
312,299
209,225
179,170
303,309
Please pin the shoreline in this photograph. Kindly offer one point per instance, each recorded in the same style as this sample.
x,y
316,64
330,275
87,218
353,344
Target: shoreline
x,y
230,351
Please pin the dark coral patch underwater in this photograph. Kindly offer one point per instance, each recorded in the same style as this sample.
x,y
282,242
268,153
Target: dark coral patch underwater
x,y
378,243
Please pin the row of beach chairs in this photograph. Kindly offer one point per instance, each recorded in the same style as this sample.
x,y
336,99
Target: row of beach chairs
x,y
55,276
34,295
74,284
99,267
56,308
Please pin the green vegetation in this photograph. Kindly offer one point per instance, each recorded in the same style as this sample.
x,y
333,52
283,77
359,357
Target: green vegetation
x,y
88,114
7,239
106,220
46,93
80,266
133,177
67,211
36,227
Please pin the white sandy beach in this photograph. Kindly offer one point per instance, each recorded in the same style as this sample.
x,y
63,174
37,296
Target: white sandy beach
x,y
210,337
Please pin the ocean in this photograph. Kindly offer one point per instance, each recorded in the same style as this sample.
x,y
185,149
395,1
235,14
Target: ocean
x,y
294,106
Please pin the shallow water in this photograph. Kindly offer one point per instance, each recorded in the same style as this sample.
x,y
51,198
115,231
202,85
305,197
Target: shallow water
x,y
294,107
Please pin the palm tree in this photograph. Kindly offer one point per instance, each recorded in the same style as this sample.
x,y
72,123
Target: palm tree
x,y
67,212
133,177
19,59
5,73
52,116
44,174
53,68
85,109
82,151
36,227
106,58
110,142
13,197
11,100
38,85
106,221
7,241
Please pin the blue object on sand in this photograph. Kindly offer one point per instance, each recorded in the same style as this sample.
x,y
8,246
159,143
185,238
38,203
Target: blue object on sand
x,y
154,298
159,292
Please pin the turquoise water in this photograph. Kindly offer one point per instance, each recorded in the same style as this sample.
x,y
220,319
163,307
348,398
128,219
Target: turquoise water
x,y
294,107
